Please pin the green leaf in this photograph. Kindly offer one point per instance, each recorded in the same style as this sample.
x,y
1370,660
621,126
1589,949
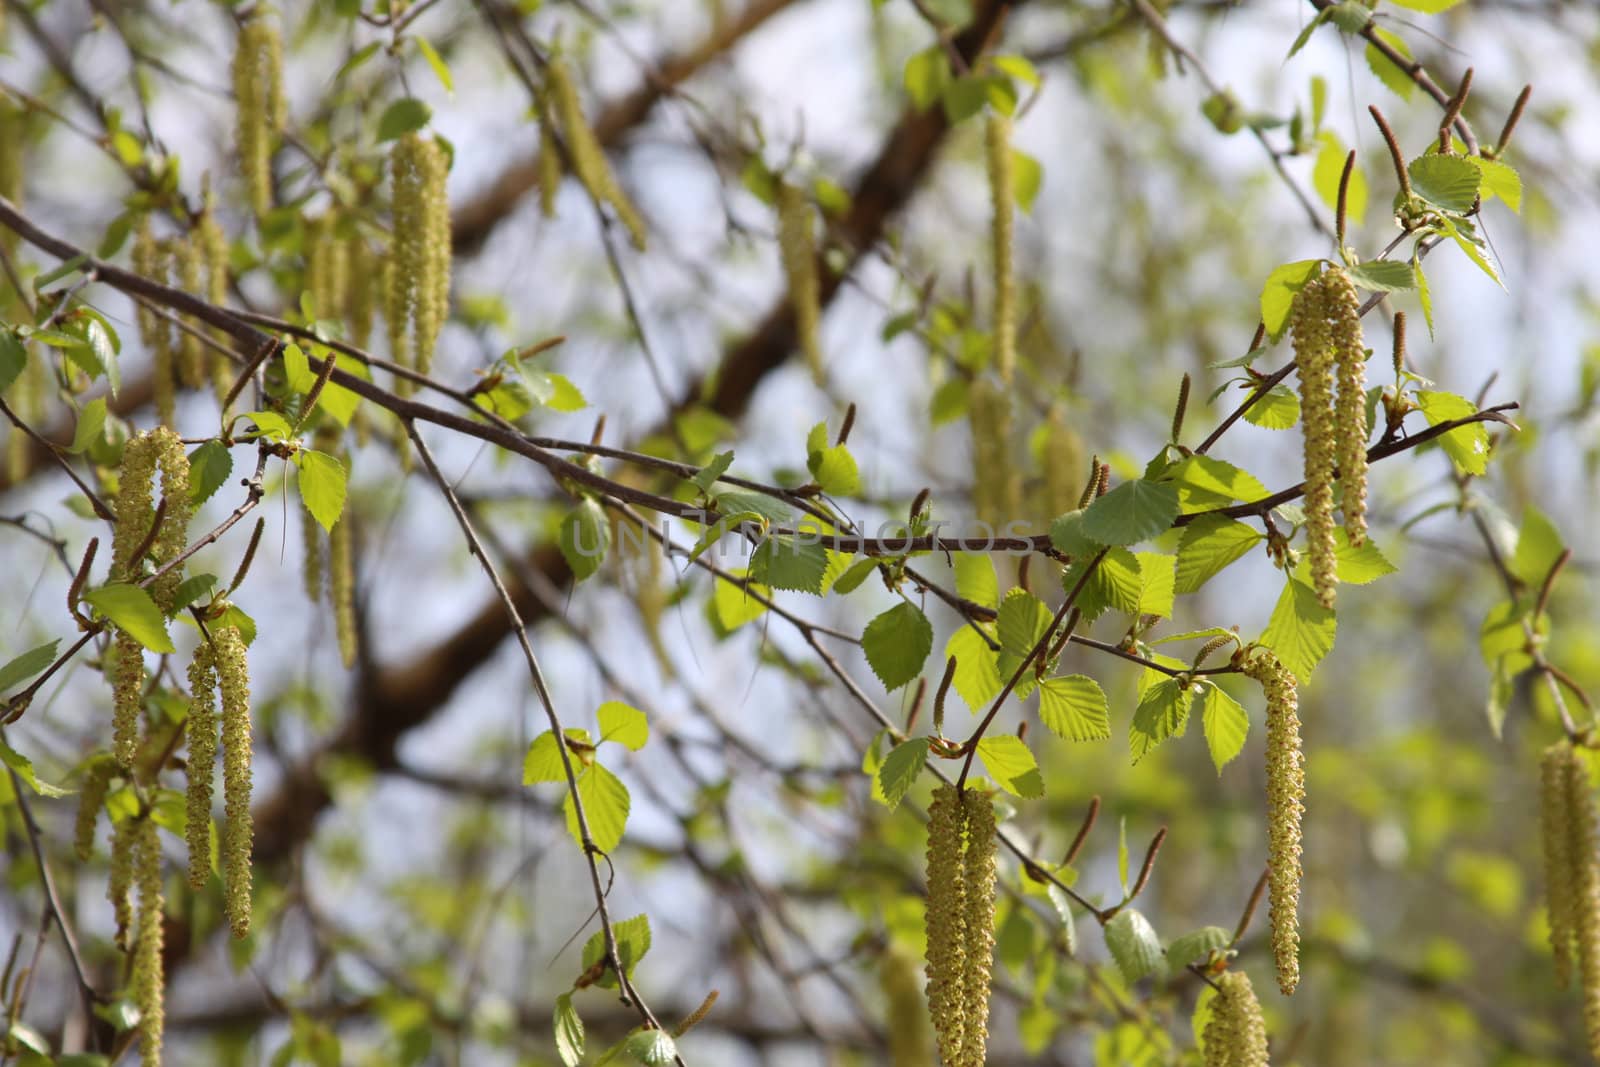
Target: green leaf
x,y
95,348
975,578
209,467
1277,295
1422,291
402,117
1500,179
543,761
1156,583
624,724
653,1048
1204,483
977,679
1067,536
1011,764
1197,945
568,1031
336,401
926,75
585,539
897,643
1132,512
1359,566
1427,7
440,69
1021,621
1305,34
1327,170
1208,545
1447,182
707,476
1397,80
1301,631
858,572
131,609
24,768
1075,707
1278,410
566,397
268,424
964,97
1467,446
91,426
1539,545
790,563
322,486
13,358
605,808
191,589
1163,713
1026,177
1384,276
901,768
1116,583
834,469
30,663
1133,944
1225,723
633,942
733,603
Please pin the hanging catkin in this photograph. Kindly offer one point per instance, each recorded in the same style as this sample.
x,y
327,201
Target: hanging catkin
x,y
148,980
342,587
361,292
588,157
978,885
1235,1035
1350,411
907,1022
1584,848
996,483
1555,823
1286,790
212,245
1314,360
549,161
327,263
258,93
418,294
946,920
96,783
124,840
151,260
797,242
233,679
1060,455
997,145
190,361
200,731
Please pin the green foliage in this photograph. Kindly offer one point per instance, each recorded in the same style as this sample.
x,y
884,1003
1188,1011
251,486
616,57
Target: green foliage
x,y
897,643
131,609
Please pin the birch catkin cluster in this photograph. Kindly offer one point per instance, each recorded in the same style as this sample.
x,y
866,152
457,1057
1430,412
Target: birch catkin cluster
x,y
588,157
996,481
960,922
418,296
997,149
1235,1035
907,1030
233,679
151,260
1571,832
198,264
1286,791
1326,323
258,94
135,511
797,241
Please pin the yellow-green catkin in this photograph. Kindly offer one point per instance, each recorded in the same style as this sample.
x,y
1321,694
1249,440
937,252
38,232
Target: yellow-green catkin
x,y
978,883
549,164
946,920
124,841
149,983
233,679
1313,352
258,93
200,732
135,512
312,541
342,587
211,242
588,157
188,259
1235,1034
13,129
27,397
996,482
151,261
1350,410
907,1020
1584,846
797,242
327,261
1061,459
96,784
1286,791
1555,823
361,292
997,149
418,292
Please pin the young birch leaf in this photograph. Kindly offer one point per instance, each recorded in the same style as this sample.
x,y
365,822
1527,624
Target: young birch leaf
x,y
1447,182
733,603
789,563
975,579
1467,446
1011,765
1075,707
1133,944
402,117
543,762
1162,713
977,679
132,609
585,539
900,770
1539,545
1500,179
1197,945
1279,409
623,724
1208,545
24,768
28,664
1301,631
91,426
605,808
1278,294
322,487
1359,566
1156,578
1225,723
13,358
633,941
568,1031
1132,512
1397,80
897,643
209,467
653,1048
